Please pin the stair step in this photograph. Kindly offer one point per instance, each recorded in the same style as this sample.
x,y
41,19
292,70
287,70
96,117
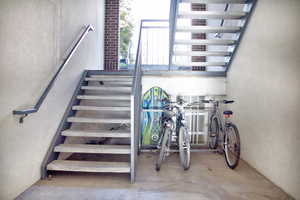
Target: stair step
x,y
107,88
109,79
100,133
110,82
99,120
202,53
206,42
212,15
216,1
116,79
96,108
87,148
104,97
190,64
210,29
112,75
89,166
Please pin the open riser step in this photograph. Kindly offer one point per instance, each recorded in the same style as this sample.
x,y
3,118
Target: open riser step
x,y
207,33
97,125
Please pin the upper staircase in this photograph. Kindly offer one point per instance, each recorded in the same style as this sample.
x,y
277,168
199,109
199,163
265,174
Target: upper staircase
x,y
205,34
95,133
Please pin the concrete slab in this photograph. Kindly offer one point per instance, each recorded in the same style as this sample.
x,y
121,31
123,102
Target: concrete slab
x,y
208,178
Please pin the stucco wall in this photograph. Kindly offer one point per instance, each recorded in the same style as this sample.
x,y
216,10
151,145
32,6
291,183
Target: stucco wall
x,y
35,35
186,85
265,82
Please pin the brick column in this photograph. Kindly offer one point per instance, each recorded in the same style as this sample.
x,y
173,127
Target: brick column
x,y
200,36
111,35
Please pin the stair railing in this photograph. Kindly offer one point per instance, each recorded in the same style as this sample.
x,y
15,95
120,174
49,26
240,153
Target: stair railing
x,y
24,113
136,108
172,28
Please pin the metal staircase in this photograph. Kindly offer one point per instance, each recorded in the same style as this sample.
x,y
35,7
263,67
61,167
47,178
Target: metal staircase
x,y
95,134
205,34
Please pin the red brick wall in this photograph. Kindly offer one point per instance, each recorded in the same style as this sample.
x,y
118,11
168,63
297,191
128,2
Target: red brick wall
x,y
198,36
111,35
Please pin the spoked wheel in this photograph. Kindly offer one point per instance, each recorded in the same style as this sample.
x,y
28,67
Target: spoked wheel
x,y
163,149
232,146
213,133
184,148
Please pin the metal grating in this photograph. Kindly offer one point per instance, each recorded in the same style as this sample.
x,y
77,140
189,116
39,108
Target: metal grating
x,y
197,121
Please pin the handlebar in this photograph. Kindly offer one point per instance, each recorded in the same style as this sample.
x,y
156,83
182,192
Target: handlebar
x,y
217,101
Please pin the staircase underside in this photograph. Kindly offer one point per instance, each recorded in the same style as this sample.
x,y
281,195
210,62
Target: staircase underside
x,y
207,33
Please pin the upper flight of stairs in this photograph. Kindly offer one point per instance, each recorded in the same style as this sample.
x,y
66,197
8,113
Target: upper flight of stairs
x,y
94,134
205,34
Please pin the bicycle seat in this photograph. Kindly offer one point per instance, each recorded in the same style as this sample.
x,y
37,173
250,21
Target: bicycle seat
x,y
227,112
228,101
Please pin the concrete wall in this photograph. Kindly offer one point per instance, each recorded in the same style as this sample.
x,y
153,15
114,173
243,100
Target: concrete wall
x,y
265,81
186,85
35,35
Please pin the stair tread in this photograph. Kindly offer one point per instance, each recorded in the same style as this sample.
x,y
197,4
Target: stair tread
x,y
109,80
103,87
189,64
212,14
98,120
111,75
202,53
88,148
206,42
215,1
89,166
99,133
104,97
102,108
209,29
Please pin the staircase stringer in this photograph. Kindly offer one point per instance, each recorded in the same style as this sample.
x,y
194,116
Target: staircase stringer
x,y
58,138
252,5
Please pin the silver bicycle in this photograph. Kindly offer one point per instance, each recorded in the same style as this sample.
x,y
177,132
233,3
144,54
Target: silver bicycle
x,y
175,132
224,134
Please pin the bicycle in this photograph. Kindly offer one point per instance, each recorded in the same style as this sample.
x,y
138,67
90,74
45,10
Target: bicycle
x,y
174,129
224,132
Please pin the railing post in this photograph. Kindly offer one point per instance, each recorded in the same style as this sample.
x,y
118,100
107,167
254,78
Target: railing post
x,y
172,28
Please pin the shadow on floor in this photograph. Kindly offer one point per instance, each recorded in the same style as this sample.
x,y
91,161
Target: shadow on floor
x,y
208,179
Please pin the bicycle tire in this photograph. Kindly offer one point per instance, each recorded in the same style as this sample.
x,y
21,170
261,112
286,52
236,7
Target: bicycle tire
x,y
213,133
184,148
162,152
232,156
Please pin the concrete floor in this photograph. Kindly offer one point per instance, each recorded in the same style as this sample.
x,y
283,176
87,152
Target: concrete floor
x,y
208,178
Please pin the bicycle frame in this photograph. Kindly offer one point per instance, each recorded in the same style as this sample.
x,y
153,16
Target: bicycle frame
x,y
174,125
223,124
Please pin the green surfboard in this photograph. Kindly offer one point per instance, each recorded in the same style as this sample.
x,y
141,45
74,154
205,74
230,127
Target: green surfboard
x,y
151,126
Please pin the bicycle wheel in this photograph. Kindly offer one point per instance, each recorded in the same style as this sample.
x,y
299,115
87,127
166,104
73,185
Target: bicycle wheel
x,y
213,135
232,146
163,148
184,148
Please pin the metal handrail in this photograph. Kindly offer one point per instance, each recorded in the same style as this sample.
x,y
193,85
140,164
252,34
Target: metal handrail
x,y
172,25
136,107
24,113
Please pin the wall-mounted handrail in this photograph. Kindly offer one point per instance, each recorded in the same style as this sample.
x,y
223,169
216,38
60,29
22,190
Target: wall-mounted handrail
x,y
26,112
